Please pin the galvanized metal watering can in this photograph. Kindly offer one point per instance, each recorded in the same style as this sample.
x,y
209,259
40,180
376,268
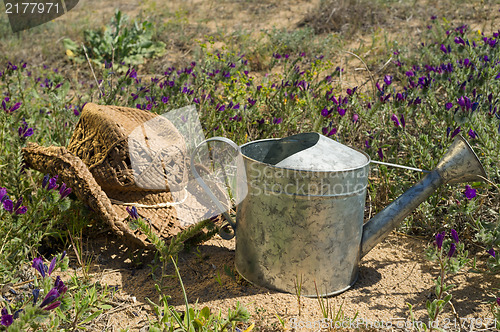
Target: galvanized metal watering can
x,y
300,223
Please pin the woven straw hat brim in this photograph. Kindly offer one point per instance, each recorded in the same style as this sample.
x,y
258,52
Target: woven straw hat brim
x,y
72,171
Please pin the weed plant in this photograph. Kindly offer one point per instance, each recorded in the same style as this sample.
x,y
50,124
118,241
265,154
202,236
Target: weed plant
x,y
120,43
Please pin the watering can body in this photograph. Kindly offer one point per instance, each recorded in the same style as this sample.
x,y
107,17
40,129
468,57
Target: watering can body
x,y
299,227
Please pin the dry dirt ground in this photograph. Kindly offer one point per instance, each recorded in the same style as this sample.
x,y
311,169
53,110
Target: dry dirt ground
x,y
393,274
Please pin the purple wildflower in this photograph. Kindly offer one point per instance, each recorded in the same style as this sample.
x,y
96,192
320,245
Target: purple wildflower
x,y
220,107
52,265
355,118
39,266
132,212
440,239
36,294
403,121
387,79
325,112
328,133
131,73
12,108
460,41
25,131
395,119
469,192
465,103
341,111
452,250
448,106
164,99
6,320
491,252
380,154
455,132
277,120
53,183
21,210
3,193
65,193
52,306
472,133
8,205
51,296
454,235
60,286
45,180
462,29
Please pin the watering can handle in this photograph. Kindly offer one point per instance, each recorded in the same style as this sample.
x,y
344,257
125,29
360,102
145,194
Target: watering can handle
x,y
225,235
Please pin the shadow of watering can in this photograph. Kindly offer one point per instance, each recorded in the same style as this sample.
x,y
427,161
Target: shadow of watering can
x,y
299,220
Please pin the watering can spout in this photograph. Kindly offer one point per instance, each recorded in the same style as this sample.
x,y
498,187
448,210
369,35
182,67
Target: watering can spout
x,y
459,164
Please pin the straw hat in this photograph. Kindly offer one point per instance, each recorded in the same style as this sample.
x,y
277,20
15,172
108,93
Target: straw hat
x,y
97,166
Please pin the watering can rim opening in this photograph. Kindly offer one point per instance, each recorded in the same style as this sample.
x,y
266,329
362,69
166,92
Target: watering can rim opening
x,y
480,164
346,170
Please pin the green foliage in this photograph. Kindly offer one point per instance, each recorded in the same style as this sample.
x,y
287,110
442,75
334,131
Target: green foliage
x,y
190,235
85,303
450,255
168,319
23,232
119,43
331,315
79,303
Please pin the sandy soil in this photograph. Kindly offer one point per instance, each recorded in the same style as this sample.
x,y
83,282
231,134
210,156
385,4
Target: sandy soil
x,y
392,275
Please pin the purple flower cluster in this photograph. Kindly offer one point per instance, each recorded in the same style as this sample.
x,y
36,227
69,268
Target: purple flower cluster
x,y
13,106
24,130
469,192
51,183
132,211
53,298
454,133
397,122
9,205
440,239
